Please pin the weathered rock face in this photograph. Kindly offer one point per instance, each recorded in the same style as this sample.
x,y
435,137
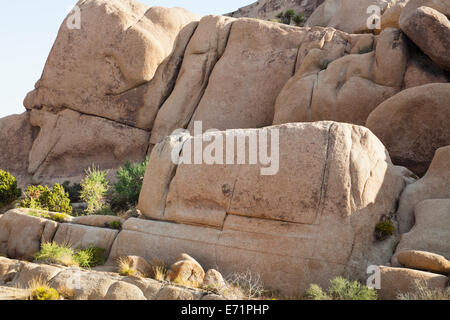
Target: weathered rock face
x,y
431,232
69,142
395,281
330,85
16,139
426,24
312,216
98,69
434,185
423,260
347,15
79,284
268,9
414,124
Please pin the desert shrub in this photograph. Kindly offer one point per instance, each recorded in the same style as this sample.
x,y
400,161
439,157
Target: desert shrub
x,y
44,198
125,268
159,270
129,184
384,229
94,188
67,256
299,20
342,289
57,216
245,284
40,290
115,225
8,188
423,292
74,191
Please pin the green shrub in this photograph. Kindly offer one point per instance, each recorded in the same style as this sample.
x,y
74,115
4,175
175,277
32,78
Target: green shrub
x,y
384,229
57,216
73,190
298,20
44,293
115,225
44,198
67,256
8,188
94,188
106,211
129,184
342,289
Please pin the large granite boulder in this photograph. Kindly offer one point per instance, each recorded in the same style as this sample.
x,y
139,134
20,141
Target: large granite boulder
x,y
100,68
413,124
434,185
310,216
331,84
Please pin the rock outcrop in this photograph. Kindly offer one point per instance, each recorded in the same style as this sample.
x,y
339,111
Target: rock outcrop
x,y
313,216
434,185
269,9
413,125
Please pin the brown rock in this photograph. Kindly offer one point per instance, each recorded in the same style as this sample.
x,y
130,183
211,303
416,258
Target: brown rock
x,y
202,53
16,138
69,142
398,280
434,185
100,69
422,71
213,280
139,264
97,221
431,233
347,15
186,271
426,24
20,234
414,124
149,287
331,86
175,293
124,291
422,260
316,217
84,236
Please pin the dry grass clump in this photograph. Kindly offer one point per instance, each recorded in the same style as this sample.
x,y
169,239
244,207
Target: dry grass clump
x,y
125,268
40,290
159,270
423,292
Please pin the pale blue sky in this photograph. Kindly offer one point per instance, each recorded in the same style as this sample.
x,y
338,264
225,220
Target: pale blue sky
x,y
28,29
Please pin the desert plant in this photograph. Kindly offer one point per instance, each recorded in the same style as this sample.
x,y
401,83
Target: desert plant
x,y
288,16
384,229
129,184
423,292
8,188
125,269
44,198
159,270
74,191
56,216
299,20
94,188
342,289
246,284
40,290
115,225
67,256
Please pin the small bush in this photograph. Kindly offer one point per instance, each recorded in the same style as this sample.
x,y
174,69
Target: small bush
x,y
39,290
342,289
299,20
73,190
94,188
129,184
65,255
246,284
44,198
8,188
115,225
384,229
106,211
125,268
